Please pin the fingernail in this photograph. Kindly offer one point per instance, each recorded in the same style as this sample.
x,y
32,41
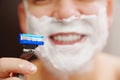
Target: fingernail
x,y
32,68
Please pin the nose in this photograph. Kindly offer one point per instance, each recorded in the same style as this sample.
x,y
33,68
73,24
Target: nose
x,y
65,9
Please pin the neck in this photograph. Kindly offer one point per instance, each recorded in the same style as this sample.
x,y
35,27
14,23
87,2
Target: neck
x,y
77,75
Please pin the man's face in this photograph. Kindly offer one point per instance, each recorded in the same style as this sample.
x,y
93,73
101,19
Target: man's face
x,y
74,30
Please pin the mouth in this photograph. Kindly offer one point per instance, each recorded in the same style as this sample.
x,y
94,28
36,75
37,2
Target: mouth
x,y
67,38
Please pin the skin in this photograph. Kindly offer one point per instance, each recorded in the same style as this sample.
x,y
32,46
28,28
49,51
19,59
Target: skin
x,y
15,65
105,67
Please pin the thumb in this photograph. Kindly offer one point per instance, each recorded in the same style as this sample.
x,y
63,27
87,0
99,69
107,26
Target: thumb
x,y
15,65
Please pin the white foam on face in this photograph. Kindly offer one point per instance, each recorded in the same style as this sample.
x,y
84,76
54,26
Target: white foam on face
x,y
66,59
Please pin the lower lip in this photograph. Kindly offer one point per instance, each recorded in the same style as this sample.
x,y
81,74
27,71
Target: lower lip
x,y
68,43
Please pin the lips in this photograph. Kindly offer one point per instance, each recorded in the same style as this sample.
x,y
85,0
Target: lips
x,y
66,38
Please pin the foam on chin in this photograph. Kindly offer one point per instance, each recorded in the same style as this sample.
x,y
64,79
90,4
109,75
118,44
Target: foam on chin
x,y
68,59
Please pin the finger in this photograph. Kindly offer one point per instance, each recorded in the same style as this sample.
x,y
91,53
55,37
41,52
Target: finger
x,y
15,65
12,78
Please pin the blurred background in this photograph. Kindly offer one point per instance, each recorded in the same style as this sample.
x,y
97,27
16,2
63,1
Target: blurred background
x,y
113,45
9,30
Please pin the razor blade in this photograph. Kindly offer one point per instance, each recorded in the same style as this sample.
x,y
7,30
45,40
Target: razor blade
x,y
30,39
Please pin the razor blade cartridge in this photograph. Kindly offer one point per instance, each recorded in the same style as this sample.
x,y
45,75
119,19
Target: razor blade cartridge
x,y
30,39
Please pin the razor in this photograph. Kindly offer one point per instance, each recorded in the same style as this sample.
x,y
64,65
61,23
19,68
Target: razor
x,y
29,42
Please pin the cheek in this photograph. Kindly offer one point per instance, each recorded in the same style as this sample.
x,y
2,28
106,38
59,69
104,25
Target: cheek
x,y
88,9
40,11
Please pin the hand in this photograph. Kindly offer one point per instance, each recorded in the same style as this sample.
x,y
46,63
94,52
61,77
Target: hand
x,y
15,65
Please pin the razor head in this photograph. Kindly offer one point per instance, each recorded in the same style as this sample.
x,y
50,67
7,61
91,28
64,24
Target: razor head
x,y
29,43
30,39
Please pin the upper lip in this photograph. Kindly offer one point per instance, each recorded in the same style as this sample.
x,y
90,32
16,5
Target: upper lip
x,y
66,38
